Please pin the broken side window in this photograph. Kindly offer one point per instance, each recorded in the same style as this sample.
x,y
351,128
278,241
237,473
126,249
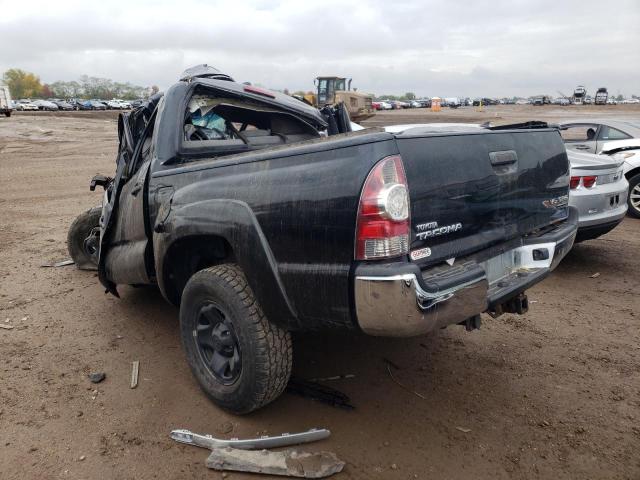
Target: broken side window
x,y
224,125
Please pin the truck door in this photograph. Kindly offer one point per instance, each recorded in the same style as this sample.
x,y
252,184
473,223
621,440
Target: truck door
x,y
125,250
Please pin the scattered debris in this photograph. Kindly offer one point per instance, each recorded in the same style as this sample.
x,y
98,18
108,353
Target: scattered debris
x,y
335,377
135,366
595,275
322,393
463,430
403,386
97,377
284,440
391,364
61,263
289,463
6,327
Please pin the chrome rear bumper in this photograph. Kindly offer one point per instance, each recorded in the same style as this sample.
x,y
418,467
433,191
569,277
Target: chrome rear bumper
x,y
413,302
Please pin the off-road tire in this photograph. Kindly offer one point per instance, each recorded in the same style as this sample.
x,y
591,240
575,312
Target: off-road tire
x,y
634,182
265,348
78,232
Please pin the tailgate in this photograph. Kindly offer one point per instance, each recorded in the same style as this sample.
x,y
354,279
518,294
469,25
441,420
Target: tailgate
x,y
473,190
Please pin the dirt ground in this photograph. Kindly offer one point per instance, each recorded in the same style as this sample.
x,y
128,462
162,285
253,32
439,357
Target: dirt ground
x,y
553,394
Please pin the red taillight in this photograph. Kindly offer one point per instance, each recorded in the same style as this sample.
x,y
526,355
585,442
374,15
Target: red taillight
x,y
573,184
589,181
382,229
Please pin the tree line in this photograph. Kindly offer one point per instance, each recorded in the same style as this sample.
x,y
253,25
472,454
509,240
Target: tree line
x,y
28,85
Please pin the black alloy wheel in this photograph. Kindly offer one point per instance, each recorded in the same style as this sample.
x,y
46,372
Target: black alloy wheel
x,y
217,344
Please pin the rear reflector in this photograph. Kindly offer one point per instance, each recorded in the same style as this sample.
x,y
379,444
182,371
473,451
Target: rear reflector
x,y
382,229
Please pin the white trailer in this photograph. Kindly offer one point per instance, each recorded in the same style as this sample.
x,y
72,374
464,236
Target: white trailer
x,y
5,101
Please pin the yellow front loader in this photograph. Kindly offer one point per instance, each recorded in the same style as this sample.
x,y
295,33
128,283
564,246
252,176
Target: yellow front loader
x,y
334,90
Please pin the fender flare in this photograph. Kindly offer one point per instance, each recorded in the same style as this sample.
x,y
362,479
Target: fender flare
x,y
235,222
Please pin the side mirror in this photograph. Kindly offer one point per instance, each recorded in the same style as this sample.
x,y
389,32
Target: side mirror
x,y
99,180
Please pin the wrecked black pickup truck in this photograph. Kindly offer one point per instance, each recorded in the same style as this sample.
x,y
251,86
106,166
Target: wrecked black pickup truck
x,y
259,215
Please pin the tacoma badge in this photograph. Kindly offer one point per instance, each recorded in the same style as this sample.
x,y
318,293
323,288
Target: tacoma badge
x,y
431,229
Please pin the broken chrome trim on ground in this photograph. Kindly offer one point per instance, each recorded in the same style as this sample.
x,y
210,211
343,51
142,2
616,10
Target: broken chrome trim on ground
x,y
265,442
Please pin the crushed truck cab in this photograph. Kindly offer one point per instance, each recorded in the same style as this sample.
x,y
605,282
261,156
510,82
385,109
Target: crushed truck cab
x,y
259,215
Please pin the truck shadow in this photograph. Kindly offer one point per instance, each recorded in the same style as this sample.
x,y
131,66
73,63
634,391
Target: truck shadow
x,y
417,400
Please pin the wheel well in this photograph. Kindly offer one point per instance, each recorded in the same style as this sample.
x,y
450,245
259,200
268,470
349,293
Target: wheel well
x,y
189,255
632,173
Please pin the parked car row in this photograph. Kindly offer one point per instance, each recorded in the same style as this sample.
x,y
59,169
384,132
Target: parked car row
x,y
399,104
455,102
55,104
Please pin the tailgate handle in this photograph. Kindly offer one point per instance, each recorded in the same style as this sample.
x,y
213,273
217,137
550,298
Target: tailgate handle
x,y
499,159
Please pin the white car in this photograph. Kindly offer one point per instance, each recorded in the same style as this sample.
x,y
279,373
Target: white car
x,y
113,104
598,190
46,105
629,152
610,136
24,105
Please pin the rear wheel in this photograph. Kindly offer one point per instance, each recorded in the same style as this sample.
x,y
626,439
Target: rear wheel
x,y
240,359
7,114
634,196
83,239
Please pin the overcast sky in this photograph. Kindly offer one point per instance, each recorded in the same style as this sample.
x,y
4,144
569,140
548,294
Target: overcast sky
x,y
434,47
